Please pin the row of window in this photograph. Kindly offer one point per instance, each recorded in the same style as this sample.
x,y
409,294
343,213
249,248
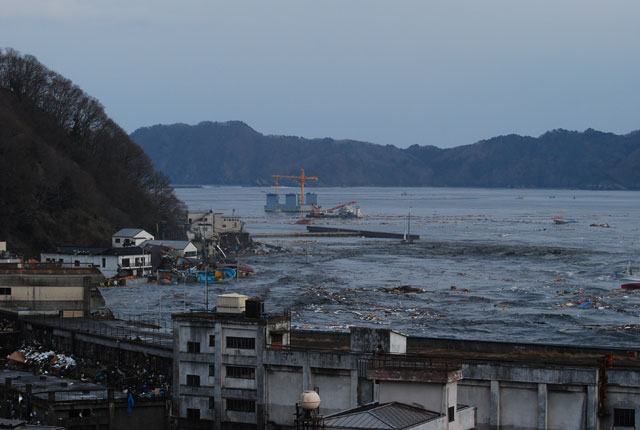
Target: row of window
x,y
235,405
240,372
232,342
5,291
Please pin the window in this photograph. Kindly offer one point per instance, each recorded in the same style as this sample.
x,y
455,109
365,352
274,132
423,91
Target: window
x,y
212,402
212,370
117,240
212,340
193,380
193,414
624,417
193,347
125,262
241,405
76,263
5,291
241,372
452,413
60,260
241,342
104,262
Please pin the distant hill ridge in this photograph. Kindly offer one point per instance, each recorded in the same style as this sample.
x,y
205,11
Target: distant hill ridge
x,y
232,153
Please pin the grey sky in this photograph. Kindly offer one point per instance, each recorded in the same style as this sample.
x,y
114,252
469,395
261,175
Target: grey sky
x,y
441,73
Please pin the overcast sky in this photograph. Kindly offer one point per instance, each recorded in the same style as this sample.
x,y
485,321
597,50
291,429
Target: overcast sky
x,y
424,72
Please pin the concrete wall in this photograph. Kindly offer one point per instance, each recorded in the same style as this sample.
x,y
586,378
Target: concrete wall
x,y
423,395
282,396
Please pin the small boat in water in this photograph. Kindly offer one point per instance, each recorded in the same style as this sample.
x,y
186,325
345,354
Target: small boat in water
x,y
563,220
631,286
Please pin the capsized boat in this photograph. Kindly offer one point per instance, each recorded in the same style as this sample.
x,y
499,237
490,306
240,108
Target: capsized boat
x,y
563,220
221,274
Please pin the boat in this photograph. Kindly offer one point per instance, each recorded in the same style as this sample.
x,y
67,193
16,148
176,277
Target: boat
x,y
343,211
563,220
627,275
219,275
631,286
242,269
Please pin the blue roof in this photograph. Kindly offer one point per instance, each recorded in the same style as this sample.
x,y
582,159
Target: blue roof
x,y
391,416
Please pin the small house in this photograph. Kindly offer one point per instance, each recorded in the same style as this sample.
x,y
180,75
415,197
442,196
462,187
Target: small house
x,y
129,237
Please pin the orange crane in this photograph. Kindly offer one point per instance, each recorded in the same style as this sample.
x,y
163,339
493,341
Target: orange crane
x,y
301,178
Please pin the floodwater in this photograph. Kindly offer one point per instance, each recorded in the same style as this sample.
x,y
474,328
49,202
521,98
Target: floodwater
x,y
490,264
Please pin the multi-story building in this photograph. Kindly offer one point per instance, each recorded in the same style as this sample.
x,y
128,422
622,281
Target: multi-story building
x,y
235,368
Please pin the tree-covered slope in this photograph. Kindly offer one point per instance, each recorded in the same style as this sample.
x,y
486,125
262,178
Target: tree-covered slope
x,y
234,153
69,174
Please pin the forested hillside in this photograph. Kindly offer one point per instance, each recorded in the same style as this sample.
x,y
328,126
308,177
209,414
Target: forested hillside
x,y
234,153
69,174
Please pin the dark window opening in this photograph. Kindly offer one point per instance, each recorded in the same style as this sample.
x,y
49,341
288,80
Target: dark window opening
x,y
193,347
5,291
193,380
212,370
276,340
241,372
241,405
212,402
212,340
76,263
241,342
452,413
104,262
193,414
624,417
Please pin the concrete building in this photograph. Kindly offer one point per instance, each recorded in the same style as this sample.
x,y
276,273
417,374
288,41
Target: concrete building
x,y
129,237
510,386
50,290
111,262
209,224
235,368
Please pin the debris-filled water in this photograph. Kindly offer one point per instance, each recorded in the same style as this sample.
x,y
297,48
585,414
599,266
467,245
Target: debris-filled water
x,y
489,265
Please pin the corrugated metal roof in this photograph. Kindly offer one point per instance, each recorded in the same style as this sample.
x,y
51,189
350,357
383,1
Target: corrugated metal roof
x,y
177,244
390,416
129,232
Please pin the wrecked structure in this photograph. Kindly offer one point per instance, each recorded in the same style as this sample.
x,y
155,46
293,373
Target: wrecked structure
x,y
207,225
74,404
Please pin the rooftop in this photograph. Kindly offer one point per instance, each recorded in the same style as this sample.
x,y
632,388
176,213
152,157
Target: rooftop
x,y
129,232
380,416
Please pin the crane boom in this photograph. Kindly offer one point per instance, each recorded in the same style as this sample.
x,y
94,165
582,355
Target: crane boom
x,y
301,178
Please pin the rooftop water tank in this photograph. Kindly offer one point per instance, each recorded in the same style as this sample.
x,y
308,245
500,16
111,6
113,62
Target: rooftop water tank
x,y
309,400
232,303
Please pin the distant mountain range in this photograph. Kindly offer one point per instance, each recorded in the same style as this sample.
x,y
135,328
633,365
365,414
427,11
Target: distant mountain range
x,y
232,153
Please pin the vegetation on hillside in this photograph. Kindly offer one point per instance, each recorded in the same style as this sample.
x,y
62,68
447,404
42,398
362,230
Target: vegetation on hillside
x,y
233,153
69,174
